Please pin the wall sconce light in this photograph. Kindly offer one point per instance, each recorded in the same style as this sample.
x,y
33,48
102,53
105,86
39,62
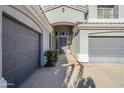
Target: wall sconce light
x,y
63,10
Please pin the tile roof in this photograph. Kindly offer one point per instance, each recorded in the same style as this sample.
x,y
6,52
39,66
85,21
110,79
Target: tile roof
x,y
100,23
106,24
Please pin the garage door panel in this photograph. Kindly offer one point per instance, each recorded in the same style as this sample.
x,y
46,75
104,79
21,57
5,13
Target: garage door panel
x,y
21,60
11,64
7,26
20,53
21,30
22,72
26,41
9,45
9,54
106,49
10,74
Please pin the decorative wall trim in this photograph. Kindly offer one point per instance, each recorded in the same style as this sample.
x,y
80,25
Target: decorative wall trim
x,y
26,15
34,14
63,23
41,18
44,19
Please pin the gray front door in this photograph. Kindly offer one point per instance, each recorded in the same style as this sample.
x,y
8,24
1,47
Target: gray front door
x,y
62,44
106,49
20,51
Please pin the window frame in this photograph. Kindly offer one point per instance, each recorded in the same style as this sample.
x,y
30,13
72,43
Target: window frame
x,y
111,16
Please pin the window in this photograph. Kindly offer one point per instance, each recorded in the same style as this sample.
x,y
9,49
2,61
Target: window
x,y
105,12
60,33
63,33
56,33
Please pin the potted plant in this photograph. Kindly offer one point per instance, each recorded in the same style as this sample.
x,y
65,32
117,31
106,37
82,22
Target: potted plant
x,y
51,57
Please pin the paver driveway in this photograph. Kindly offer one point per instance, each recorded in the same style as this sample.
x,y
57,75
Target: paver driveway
x,y
48,77
105,75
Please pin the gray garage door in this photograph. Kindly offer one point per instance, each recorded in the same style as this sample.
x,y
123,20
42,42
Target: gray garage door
x,y
20,51
106,49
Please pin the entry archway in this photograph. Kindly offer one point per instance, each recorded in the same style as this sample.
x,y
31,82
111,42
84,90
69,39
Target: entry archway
x,y
63,36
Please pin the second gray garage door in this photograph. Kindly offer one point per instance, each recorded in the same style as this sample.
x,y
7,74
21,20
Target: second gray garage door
x,y
106,49
20,49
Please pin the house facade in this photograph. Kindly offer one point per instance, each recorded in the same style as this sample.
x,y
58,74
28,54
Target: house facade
x,y
91,33
97,31
101,37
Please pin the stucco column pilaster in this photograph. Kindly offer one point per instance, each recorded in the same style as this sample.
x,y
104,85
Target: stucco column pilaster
x,y
83,55
3,83
41,51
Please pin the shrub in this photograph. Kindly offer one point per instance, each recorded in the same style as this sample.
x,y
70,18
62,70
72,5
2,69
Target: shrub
x,y
51,56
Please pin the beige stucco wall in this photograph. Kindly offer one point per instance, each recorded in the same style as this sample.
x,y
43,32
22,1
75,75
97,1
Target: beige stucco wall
x,y
69,15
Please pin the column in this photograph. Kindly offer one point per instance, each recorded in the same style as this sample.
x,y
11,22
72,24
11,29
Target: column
x,y
3,83
83,55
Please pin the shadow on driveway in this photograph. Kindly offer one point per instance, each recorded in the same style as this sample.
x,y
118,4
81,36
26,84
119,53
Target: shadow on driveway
x,y
87,83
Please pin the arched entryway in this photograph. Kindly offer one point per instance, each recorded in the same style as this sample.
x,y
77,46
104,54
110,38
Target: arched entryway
x,y
63,36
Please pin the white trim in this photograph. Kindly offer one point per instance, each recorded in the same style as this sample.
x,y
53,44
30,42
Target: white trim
x,y
83,57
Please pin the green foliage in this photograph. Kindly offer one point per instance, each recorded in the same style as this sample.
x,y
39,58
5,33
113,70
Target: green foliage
x,y
51,56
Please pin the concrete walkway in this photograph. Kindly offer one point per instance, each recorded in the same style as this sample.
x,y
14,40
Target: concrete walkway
x,y
48,77
105,75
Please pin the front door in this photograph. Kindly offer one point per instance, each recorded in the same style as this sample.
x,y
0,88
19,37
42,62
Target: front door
x,y
62,44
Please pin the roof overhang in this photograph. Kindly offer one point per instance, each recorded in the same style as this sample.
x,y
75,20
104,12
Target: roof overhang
x,y
81,8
